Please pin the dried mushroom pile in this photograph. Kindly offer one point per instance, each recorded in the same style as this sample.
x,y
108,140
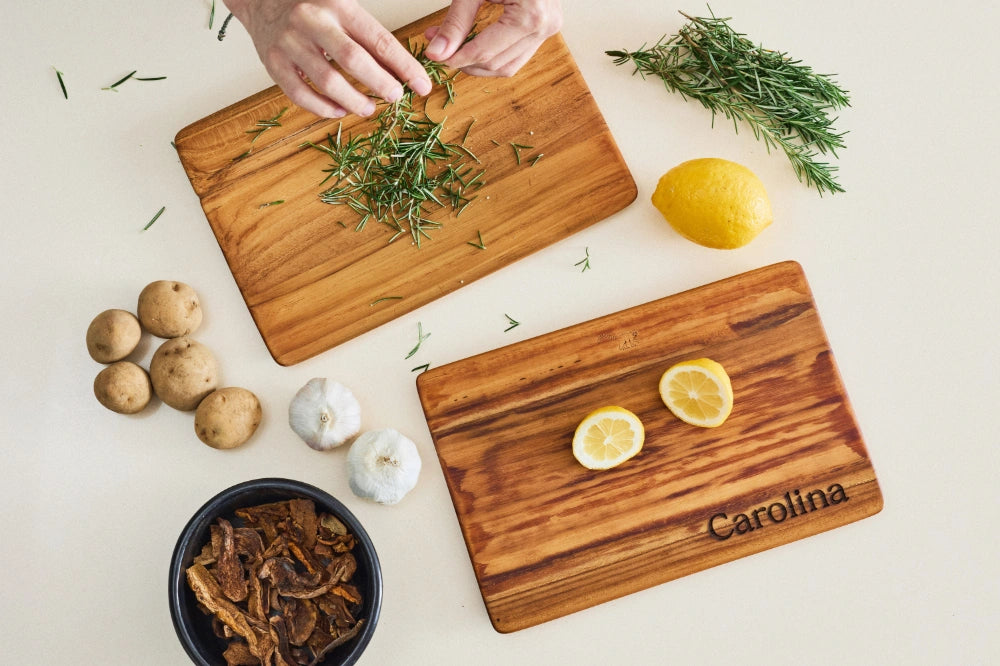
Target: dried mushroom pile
x,y
279,587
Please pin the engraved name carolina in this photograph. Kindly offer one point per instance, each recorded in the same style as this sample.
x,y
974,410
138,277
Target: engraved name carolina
x,y
791,505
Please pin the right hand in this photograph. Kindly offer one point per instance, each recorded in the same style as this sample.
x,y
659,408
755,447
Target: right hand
x,y
297,40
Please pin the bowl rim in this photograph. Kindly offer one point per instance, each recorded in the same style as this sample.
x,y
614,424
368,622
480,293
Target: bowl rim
x,y
210,510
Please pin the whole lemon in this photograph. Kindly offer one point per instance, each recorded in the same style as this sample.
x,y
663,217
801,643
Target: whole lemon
x,y
713,202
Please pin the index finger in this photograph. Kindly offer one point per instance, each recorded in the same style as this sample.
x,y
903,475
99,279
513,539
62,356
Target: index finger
x,y
388,51
487,45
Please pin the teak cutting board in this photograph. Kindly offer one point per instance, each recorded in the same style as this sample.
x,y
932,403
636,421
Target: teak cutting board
x,y
548,537
312,282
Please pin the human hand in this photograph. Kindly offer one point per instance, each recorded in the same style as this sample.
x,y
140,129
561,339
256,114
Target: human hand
x,y
297,40
503,47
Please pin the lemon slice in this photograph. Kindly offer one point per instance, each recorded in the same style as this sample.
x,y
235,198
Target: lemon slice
x,y
698,392
607,437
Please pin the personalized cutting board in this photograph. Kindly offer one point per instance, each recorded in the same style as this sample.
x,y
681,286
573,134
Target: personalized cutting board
x,y
311,281
549,537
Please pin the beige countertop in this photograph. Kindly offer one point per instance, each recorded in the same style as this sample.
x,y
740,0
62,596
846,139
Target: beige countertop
x,y
903,268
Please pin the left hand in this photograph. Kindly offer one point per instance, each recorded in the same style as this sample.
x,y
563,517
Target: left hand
x,y
503,47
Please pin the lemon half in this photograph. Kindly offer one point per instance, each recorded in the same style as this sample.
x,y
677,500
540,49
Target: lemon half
x,y
698,392
713,202
608,437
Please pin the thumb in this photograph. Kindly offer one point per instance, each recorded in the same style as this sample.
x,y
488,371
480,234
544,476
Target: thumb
x,y
453,30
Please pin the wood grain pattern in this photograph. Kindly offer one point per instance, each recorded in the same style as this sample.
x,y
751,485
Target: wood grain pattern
x,y
548,537
310,282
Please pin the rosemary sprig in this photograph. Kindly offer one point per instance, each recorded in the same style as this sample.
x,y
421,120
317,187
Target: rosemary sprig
x,y
155,218
62,84
401,170
785,103
262,126
421,336
513,323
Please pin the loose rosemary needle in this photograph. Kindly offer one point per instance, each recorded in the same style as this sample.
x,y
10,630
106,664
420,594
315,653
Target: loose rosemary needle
x,y
421,336
62,84
513,323
155,218
132,75
785,103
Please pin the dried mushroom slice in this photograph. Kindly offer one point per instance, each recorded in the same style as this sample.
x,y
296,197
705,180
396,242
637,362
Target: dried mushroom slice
x,y
303,514
229,569
209,594
238,654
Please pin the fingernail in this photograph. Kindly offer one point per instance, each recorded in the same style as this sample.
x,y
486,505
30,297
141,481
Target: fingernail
x,y
368,109
437,45
420,86
394,95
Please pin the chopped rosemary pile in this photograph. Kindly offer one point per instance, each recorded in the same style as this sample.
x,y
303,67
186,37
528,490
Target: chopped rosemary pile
x,y
786,104
402,170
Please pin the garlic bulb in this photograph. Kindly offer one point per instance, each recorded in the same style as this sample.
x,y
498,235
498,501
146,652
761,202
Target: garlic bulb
x,y
383,466
324,414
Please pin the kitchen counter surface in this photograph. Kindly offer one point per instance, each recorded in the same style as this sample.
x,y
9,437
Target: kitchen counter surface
x,y
901,266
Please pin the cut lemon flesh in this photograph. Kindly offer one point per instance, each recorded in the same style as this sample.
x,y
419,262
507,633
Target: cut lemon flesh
x,y
607,437
698,392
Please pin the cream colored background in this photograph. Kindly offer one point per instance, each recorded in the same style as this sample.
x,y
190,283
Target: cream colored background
x,y
904,268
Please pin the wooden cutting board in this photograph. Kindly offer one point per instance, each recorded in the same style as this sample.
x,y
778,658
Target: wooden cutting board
x,y
548,537
311,281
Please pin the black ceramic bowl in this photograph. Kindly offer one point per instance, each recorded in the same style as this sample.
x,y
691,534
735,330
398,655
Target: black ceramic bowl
x,y
194,628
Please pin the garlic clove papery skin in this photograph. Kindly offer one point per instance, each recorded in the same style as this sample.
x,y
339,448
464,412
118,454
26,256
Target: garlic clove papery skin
x,y
325,414
383,466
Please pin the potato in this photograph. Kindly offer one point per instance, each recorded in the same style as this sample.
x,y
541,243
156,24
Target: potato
x,y
169,309
183,371
123,387
113,335
227,417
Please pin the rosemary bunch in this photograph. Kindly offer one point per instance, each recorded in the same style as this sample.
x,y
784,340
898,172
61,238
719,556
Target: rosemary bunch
x,y
785,103
401,170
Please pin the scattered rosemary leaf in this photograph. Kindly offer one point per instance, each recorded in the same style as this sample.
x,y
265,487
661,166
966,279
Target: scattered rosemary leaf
x,y
155,218
211,16
225,25
421,368
536,158
385,298
121,80
421,336
481,245
271,203
264,125
513,323
467,130
149,78
62,84
494,142
585,261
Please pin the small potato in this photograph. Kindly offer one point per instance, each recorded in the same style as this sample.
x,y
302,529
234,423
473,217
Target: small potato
x,y
123,387
183,371
113,335
169,309
227,417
